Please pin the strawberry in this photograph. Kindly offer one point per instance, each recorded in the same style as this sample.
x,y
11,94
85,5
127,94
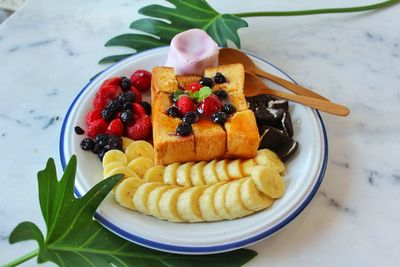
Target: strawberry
x,y
138,94
96,127
112,81
141,79
104,95
209,106
93,115
185,104
115,127
138,110
140,129
193,87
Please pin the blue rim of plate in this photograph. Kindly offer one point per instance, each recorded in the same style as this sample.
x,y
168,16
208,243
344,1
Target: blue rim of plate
x,y
208,249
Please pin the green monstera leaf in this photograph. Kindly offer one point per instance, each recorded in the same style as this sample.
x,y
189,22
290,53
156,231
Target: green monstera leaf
x,y
184,16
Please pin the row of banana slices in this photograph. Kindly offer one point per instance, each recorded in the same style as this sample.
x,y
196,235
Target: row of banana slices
x,y
193,192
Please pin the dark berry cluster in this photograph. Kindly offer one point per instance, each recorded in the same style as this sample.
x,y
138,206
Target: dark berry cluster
x,y
101,144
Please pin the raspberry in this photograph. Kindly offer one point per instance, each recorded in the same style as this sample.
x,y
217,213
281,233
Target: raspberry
x,y
96,127
115,127
185,104
141,79
209,106
140,129
116,81
138,94
93,115
193,87
138,110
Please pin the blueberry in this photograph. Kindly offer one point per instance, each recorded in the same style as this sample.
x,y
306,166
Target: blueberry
x,y
206,82
127,106
147,107
101,154
229,108
190,117
108,114
87,144
97,148
222,94
184,129
219,78
127,116
79,130
219,117
101,139
115,142
121,99
173,111
125,84
130,96
114,105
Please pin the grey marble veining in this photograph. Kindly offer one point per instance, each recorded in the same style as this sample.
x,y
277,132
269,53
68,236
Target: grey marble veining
x,y
50,49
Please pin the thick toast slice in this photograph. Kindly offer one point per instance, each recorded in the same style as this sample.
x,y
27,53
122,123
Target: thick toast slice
x,y
234,74
163,80
209,139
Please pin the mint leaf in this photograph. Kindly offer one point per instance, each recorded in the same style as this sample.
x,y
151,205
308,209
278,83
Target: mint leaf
x,y
75,239
204,92
165,22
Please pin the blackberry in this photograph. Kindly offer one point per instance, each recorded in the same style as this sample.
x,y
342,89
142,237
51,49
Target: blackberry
x,y
147,107
219,78
127,106
108,114
219,117
173,111
127,116
87,144
79,130
229,108
222,94
190,117
125,84
184,129
206,82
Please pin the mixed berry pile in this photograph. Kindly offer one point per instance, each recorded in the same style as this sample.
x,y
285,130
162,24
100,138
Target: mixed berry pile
x,y
197,100
118,110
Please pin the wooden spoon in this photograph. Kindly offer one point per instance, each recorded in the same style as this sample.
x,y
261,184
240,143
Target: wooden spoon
x,y
255,86
230,56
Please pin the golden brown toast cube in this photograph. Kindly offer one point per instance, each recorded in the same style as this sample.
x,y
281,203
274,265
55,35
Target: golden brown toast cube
x,y
169,147
183,80
242,135
210,140
234,74
160,103
239,101
163,80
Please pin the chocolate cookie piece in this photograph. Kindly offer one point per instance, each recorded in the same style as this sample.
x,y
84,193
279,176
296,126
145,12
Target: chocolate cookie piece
x,y
269,116
259,101
286,151
272,138
287,123
279,103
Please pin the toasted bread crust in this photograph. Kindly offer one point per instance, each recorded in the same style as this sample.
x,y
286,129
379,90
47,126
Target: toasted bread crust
x,y
210,140
234,74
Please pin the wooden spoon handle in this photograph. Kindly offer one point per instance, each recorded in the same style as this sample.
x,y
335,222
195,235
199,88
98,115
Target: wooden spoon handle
x,y
322,105
295,88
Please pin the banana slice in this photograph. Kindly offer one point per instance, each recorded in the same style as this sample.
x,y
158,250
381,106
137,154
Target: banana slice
x,y
114,155
268,158
247,166
268,181
210,174
140,165
125,142
142,194
222,170
196,173
127,172
219,202
168,204
139,149
183,174
154,199
188,204
111,166
155,174
233,202
235,169
125,191
252,198
206,203
170,173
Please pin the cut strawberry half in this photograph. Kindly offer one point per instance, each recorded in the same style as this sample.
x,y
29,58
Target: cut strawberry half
x,y
209,106
141,79
116,81
138,94
140,129
104,95
96,127
116,127
93,115
185,104
138,110
193,87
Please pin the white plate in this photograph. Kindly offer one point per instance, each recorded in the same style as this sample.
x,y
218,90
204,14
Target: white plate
x,y
303,177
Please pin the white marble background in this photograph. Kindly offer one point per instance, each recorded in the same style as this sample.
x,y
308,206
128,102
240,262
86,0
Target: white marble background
x,y
49,50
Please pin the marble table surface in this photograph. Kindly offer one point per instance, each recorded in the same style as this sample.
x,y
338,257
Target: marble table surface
x,y
50,49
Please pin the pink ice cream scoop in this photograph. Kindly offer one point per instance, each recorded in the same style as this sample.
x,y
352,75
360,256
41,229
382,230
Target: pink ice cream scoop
x,y
191,52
